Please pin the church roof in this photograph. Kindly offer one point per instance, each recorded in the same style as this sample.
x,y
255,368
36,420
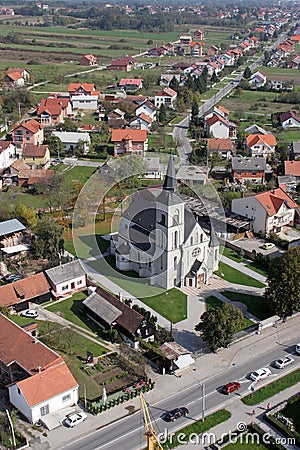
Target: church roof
x,y
170,183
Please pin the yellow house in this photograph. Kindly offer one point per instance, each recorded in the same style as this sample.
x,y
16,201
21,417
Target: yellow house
x,y
36,156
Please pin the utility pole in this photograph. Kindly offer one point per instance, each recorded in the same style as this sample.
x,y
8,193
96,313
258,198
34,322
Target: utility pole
x,y
12,429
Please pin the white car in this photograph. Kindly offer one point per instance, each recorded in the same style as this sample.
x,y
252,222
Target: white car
x,y
30,313
75,419
298,348
259,374
282,362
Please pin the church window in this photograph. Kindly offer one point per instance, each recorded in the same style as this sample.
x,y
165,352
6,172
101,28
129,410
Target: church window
x,y
196,238
201,237
163,219
192,240
175,263
176,239
176,218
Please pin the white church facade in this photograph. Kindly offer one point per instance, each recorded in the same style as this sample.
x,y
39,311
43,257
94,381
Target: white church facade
x,y
161,240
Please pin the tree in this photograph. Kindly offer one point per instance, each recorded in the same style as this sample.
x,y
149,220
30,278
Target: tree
x,y
162,114
48,240
283,292
26,215
218,325
174,84
247,73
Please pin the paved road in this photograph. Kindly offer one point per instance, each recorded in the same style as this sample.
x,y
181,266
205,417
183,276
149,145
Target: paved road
x,y
128,433
180,135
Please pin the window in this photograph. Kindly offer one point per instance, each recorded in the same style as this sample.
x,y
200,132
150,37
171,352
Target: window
x,y
79,282
64,288
19,392
192,240
44,410
201,237
176,239
66,398
175,263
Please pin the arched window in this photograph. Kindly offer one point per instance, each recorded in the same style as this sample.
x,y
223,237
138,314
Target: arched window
x,y
176,239
196,238
175,263
192,240
176,218
201,238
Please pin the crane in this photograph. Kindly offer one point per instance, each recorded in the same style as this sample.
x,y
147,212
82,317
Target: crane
x,y
150,433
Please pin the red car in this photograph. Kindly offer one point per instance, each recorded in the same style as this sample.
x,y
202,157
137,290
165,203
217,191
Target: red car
x,y
230,387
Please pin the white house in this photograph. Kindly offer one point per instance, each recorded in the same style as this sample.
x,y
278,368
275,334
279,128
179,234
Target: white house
x,y
70,140
141,122
218,127
147,108
89,102
7,154
178,356
261,144
160,239
289,120
269,211
165,97
67,278
258,79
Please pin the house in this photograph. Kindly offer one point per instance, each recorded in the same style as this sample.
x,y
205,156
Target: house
x,y
196,49
11,233
292,168
67,279
227,59
17,77
289,120
221,111
198,35
71,140
30,132
82,89
160,239
17,295
192,175
131,84
158,52
129,142
223,147
269,211
295,149
212,68
141,122
29,178
38,380
251,169
147,108
36,156
219,127
213,50
177,356
165,97
115,114
7,154
261,144
258,79
125,64
84,96
16,166
255,129
185,40
110,312
88,60
166,78
53,110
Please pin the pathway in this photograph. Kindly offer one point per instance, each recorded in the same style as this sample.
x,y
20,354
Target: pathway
x,y
241,268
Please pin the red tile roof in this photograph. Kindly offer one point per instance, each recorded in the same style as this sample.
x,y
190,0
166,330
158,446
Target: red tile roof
x,y
219,144
88,87
32,125
145,118
254,139
15,70
272,200
134,81
47,384
34,151
28,352
14,76
292,168
214,119
25,289
222,109
19,164
119,135
53,105
167,92
4,145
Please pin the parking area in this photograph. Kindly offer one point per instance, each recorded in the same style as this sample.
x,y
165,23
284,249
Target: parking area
x,y
257,244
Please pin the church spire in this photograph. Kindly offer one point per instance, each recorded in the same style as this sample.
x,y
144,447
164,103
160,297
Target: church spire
x,y
170,183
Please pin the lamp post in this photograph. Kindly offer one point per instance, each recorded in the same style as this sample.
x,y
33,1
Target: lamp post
x,y
201,384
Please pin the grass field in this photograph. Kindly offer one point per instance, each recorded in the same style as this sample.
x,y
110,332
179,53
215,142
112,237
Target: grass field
x,y
235,276
272,389
171,304
255,305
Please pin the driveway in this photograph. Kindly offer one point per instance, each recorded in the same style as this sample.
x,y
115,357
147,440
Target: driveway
x,y
256,244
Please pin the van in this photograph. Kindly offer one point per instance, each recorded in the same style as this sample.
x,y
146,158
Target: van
x,y
298,348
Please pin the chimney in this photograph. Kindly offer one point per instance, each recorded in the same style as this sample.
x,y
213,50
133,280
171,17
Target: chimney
x,y
120,296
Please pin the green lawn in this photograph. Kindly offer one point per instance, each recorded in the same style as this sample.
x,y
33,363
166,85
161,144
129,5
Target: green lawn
x,y
232,254
293,411
235,276
213,302
78,174
255,305
197,427
257,269
247,444
171,304
272,389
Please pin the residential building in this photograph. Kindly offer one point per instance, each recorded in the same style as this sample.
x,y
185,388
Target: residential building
x,y
7,154
141,122
198,35
166,78
86,102
251,169
185,40
147,108
11,233
30,132
38,380
67,279
17,77
165,97
82,89
88,60
155,170
71,140
53,110
289,120
269,211
131,84
29,178
219,127
295,149
17,295
129,142
213,50
196,49
292,168
255,129
223,147
110,312
258,79
261,144
36,156
160,239
125,64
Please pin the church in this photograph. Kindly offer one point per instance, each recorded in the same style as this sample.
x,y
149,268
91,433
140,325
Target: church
x,y
160,239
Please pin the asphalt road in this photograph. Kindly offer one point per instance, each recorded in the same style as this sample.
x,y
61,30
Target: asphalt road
x,y
180,135
127,433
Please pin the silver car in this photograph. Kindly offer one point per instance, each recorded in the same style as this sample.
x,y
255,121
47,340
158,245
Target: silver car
x,y
283,362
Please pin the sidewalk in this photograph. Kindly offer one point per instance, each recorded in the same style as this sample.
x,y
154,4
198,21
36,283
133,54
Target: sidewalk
x,y
241,416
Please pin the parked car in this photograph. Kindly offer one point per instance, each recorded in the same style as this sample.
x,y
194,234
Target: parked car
x,y
176,413
259,374
74,419
283,362
30,313
231,387
268,245
298,348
